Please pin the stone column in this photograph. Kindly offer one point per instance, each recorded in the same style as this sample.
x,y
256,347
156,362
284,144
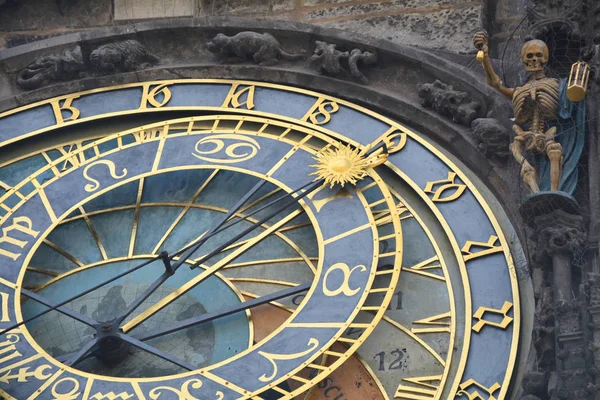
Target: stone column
x,y
560,236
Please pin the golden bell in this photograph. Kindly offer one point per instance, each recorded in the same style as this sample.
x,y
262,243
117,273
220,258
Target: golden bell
x,y
480,56
578,81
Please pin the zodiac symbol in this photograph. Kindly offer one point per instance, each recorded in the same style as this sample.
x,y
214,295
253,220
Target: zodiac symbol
x,y
183,393
345,286
312,345
23,374
217,140
91,187
71,395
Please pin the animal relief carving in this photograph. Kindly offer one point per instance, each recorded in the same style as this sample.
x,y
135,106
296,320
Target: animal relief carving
x,y
123,56
328,60
451,103
263,48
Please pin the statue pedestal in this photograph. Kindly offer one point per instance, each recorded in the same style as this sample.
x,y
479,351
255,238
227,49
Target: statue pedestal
x,y
543,203
559,234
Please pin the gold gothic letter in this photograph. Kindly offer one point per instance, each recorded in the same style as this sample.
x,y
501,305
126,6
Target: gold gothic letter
x,y
345,286
476,395
234,97
506,320
91,187
491,248
66,105
459,188
320,112
20,224
150,96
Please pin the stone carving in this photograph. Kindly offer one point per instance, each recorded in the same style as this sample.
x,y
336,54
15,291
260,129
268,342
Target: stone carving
x,y
560,239
560,317
263,48
52,68
451,103
364,57
327,59
127,55
123,56
535,104
492,137
535,385
555,16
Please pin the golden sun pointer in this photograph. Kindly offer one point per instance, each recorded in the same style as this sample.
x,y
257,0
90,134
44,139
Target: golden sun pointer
x,y
344,165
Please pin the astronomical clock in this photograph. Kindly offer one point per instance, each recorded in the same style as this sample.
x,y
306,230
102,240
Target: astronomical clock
x,y
218,239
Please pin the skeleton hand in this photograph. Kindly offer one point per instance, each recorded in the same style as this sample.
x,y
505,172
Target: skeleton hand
x,y
480,41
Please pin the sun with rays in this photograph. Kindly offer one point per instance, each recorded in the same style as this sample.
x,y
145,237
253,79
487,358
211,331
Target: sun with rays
x,y
341,165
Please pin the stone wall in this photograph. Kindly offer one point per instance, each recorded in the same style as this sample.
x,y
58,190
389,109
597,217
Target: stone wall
x,y
448,24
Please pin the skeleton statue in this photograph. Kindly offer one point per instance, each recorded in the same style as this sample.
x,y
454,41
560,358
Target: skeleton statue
x,y
534,104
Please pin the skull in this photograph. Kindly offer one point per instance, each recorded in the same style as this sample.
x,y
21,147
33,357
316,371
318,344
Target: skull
x,y
534,55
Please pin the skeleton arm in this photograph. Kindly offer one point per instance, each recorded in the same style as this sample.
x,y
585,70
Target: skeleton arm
x,y
480,42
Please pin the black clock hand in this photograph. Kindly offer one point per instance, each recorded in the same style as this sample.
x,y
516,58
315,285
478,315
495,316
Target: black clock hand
x,y
312,186
165,301
200,319
64,310
137,267
74,358
159,353
171,269
62,303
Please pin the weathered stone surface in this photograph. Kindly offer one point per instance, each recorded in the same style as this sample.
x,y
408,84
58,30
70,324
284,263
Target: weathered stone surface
x,y
120,56
449,102
33,15
493,138
141,9
52,68
450,29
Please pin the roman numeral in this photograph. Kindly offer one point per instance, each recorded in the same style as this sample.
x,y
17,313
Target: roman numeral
x,y
421,268
490,247
421,388
437,323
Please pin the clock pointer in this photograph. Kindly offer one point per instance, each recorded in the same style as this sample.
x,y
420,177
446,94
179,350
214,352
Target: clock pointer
x,y
200,319
171,269
74,358
136,268
224,261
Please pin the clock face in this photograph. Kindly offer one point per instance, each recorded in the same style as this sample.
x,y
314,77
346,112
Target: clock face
x,y
248,241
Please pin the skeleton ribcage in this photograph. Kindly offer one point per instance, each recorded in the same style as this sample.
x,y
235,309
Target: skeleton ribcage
x,y
544,100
